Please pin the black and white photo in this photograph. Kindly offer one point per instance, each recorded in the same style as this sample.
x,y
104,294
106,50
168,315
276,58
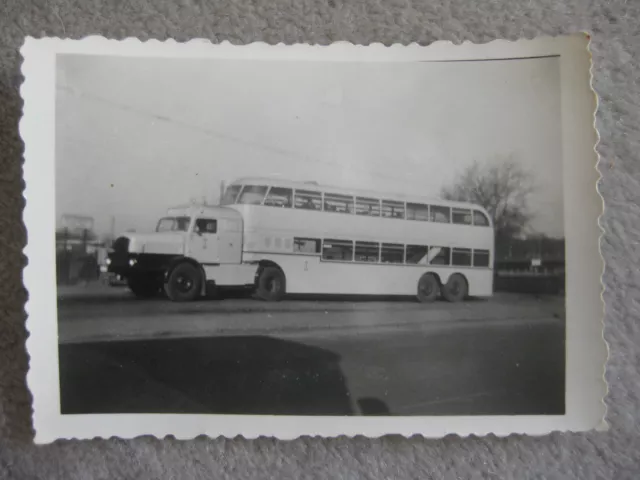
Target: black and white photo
x,y
295,240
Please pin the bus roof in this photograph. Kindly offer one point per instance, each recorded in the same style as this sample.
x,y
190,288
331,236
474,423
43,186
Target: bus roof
x,y
195,210
314,186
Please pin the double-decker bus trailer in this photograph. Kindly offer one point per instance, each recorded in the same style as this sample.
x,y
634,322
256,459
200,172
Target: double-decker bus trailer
x,y
277,237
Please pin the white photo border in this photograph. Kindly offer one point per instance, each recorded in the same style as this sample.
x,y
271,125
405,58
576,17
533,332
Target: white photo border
x,y
586,350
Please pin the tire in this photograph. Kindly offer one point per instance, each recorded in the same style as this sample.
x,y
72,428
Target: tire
x,y
184,283
456,288
428,288
271,284
143,287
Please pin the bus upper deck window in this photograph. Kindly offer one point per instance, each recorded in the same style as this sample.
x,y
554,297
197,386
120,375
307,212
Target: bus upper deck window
x,y
461,216
480,218
252,195
392,209
338,203
417,211
308,200
368,206
279,197
440,214
230,195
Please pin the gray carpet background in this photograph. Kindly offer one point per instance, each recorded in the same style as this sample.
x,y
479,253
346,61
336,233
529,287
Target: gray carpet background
x,y
616,51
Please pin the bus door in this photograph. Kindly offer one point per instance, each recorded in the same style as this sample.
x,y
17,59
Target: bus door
x,y
204,245
230,240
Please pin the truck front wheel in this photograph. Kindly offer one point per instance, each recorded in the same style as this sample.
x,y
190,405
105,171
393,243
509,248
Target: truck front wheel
x,y
271,284
143,287
184,283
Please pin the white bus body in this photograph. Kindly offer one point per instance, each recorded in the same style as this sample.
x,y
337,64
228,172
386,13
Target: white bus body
x,y
312,239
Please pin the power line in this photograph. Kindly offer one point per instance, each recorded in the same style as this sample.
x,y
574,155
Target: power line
x,y
211,133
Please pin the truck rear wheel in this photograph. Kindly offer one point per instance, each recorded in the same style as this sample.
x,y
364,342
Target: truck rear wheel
x,y
143,287
271,284
428,288
184,283
456,288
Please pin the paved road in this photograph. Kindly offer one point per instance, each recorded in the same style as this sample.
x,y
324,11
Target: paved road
x,y
502,356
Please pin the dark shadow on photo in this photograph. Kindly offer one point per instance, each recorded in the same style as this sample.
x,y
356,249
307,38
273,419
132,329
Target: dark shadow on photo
x,y
232,375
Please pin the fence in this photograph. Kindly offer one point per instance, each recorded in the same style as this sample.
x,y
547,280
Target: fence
x,y
544,277
78,256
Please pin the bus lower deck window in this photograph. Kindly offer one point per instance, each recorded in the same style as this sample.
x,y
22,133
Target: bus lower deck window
x,y
337,250
306,245
481,258
392,253
461,257
441,256
416,254
367,252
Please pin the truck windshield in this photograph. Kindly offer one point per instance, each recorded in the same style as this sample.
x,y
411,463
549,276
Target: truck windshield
x,y
173,224
230,195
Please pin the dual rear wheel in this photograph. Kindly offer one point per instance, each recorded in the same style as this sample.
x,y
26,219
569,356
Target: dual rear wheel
x,y
271,284
455,290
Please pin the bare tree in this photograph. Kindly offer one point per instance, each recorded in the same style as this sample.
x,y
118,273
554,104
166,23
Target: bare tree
x,y
502,187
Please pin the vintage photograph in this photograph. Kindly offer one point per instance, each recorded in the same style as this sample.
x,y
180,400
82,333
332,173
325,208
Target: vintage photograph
x,y
322,238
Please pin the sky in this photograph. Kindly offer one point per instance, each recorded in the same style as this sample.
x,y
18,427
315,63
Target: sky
x,y
137,136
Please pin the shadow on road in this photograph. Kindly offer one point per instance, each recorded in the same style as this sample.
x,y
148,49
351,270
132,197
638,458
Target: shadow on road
x,y
232,375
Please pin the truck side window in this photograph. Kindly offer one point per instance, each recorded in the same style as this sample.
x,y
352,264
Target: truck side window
x,y
206,225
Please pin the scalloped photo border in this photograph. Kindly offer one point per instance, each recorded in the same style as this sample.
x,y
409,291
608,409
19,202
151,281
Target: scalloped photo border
x,y
586,350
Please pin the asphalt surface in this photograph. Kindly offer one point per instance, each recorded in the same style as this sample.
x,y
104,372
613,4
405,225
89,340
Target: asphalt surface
x,y
502,356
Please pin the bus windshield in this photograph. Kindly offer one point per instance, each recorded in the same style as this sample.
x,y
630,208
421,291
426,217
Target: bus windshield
x,y
173,224
230,195
252,195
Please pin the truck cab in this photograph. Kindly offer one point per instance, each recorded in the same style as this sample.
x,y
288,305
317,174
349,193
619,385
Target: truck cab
x,y
174,257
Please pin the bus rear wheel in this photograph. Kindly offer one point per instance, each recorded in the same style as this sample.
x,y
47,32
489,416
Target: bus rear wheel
x,y
456,289
428,288
271,285
184,283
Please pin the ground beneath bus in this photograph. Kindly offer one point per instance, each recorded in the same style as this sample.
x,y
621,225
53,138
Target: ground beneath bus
x,y
310,357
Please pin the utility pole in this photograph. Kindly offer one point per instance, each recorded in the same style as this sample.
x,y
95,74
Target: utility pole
x,y
222,189
112,228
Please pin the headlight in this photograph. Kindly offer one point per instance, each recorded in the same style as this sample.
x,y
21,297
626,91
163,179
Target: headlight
x,y
108,261
132,262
